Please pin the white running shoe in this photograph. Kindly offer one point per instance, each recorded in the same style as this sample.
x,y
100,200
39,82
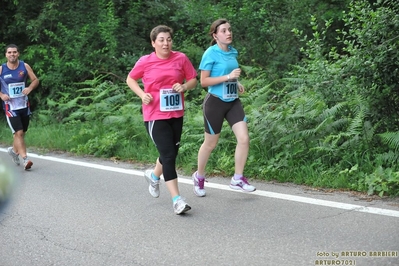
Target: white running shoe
x,y
15,157
153,186
199,185
180,206
241,184
27,164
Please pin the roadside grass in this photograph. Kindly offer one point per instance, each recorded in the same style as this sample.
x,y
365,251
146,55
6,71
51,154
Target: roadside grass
x,y
77,138
129,142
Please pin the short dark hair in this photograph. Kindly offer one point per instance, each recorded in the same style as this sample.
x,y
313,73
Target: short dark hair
x,y
11,46
158,29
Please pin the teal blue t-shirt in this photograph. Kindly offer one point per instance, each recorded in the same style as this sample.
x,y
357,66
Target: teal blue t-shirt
x,y
221,63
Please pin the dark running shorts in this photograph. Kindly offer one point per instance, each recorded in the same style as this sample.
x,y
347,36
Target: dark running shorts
x,y
19,122
216,110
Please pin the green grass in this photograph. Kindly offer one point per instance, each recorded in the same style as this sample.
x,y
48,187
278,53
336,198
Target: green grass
x,y
79,138
130,142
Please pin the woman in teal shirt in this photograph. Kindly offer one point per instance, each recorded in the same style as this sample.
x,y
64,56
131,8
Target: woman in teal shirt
x,y
220,72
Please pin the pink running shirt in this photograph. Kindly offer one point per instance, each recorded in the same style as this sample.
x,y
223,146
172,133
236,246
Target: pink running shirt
x,y
158,76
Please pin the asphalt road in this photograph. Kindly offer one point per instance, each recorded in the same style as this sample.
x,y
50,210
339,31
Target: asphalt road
x,y
80,211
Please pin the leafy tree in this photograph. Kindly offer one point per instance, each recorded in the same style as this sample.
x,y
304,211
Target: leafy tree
x,y
322,107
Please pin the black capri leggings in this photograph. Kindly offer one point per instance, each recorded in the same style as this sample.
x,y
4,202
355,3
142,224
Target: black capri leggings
x,y
166,136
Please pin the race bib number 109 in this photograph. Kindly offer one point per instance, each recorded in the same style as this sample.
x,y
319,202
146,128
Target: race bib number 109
x,y
170,100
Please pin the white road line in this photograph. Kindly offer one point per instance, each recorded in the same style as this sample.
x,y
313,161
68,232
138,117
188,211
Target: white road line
x,y
326,203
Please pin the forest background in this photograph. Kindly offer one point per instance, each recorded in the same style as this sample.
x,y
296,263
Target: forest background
x,y
321,82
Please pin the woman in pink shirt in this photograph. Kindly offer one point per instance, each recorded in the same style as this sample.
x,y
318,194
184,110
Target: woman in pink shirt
x,y
166,75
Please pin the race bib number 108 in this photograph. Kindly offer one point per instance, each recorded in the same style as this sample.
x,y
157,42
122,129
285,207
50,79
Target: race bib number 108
x,y
230,90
